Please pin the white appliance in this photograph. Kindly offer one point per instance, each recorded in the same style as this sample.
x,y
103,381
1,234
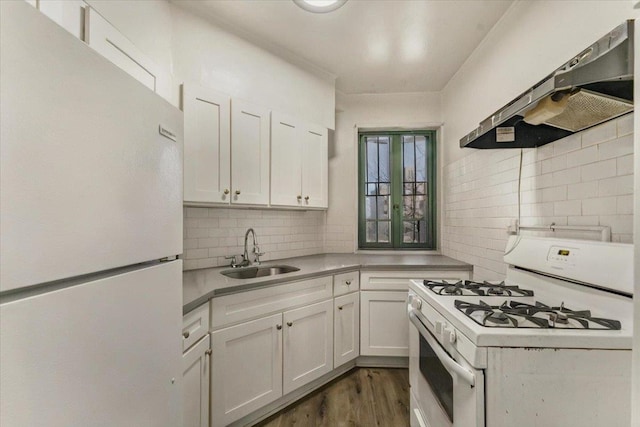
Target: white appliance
x,y
551,345
91,201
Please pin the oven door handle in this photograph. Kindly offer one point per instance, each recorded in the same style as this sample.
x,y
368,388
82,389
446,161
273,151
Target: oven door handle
x,y
446,360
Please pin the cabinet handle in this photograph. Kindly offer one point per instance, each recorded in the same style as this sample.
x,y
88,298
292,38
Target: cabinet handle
x,y
306,198
208,352
278,327
185,334
339,307
237,192
289,324
299,197
226,191
348,282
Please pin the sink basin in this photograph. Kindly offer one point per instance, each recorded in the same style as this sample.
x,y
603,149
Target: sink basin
x,y
253,272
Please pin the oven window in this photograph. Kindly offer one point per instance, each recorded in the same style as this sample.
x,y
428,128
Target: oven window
x,y
437,376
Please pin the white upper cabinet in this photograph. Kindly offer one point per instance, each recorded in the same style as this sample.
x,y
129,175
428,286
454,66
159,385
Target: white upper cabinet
x,y
249,153
315,167
69,14
299,163
207,145
286,161
113,45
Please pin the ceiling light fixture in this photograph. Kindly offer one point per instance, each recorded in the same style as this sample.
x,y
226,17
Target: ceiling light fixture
x,y
320,6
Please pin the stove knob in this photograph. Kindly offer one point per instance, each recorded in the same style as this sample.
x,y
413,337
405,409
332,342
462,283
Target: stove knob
x,y
439,327
416,303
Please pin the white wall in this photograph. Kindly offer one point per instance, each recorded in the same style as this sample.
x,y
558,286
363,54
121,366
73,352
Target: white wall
x,y
410,110
215,58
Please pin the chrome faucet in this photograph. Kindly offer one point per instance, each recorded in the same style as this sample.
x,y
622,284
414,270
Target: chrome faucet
x,y
256,249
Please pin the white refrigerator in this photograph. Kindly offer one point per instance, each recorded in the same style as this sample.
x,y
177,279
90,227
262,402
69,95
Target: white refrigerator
x,y
90,233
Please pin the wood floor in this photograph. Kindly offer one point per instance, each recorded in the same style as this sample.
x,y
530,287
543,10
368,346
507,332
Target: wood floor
x,y
363,397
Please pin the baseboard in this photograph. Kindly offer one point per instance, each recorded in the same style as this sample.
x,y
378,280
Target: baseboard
x,y
382,362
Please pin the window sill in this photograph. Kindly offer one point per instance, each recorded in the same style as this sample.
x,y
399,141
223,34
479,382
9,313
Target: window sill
x,y
398,252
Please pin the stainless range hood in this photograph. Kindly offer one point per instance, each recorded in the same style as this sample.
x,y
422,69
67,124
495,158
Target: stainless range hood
x,y
594,86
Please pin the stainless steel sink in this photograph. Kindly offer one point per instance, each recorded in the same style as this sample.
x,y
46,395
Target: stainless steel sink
x,y
253,272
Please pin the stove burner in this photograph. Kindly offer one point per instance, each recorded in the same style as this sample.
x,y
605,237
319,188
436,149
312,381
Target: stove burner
x,y
469,287
533,316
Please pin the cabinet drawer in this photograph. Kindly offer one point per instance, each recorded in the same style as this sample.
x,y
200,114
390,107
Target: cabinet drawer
x,y
399,280
243,306
195,325
346,282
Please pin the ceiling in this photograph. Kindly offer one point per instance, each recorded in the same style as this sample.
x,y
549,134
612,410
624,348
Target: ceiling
x,y
370,46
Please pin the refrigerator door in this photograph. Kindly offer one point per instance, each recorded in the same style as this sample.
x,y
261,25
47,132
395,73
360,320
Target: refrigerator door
x,y
87,182
102,353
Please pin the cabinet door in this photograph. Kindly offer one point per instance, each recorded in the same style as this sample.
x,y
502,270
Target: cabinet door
x,y
113,45
346,330
384,323
69,14
246,368
286,161
315,168
249,154
195,380
308,344
207,145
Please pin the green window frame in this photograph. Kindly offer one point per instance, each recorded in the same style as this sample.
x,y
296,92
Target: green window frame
x,y
397,190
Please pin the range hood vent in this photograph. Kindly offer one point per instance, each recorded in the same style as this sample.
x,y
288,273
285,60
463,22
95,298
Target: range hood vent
x,y
593,87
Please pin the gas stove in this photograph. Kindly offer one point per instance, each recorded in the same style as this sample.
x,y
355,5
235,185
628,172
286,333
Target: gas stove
x,y
521,343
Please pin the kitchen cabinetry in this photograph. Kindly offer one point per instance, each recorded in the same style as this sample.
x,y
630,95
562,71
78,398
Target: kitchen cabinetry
x,y
249,153
246,368
299,163
113,45
346,332
207,145
195,380
384,325
69,14
308,344
256,362
196,367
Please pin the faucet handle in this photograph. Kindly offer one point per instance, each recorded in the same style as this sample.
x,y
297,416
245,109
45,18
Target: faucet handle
x,y
234,262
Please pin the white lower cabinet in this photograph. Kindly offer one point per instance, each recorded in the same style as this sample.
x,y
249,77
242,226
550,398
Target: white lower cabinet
x,y
195,380
308,344
246,368
256,362
384,323
346,328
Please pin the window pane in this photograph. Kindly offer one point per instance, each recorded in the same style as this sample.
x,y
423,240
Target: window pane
x,y
420,188
384,189
421,158
408,160
383,156
420,206
408,189
371,189
370,207
372,160
383,232
383,207
371,232
409,231
408,209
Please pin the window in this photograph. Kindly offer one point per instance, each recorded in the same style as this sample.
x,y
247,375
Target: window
x,y
397,190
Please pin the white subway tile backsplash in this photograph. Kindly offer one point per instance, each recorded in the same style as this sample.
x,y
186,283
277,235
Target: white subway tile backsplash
x,y
601,133
584,179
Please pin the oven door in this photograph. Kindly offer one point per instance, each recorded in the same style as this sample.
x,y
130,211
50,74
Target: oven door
x,y
446,390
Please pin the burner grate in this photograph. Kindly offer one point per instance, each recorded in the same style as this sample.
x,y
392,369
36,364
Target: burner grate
x,y
517,314
469,287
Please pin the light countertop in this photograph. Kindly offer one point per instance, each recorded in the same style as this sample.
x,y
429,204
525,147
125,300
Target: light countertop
x,y
201,285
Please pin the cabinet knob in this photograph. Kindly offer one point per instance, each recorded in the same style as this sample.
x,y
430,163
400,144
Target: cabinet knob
x,y
237,192
289,324
299,197
185,334
348,282
278,327
208,352
226,191
340,307
306,198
